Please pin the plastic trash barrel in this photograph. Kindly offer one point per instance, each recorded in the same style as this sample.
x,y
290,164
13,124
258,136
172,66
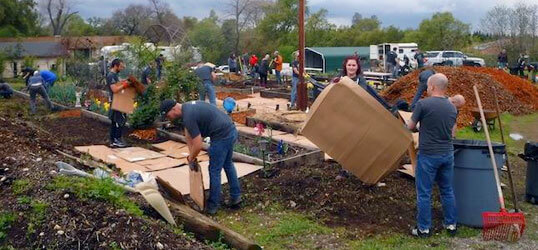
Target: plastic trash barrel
x,y
531,157
474,180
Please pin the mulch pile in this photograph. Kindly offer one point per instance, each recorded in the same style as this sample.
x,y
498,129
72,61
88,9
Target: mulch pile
x,y
70,113
145,134
241,116
516,96
235,96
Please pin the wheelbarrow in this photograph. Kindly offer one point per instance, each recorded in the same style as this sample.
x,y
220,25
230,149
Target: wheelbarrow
x,y
490,115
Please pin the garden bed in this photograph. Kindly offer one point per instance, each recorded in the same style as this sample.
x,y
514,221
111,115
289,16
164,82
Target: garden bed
x,y
234,95
247,149
276,93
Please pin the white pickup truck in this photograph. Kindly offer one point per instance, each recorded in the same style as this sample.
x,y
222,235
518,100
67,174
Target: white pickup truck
x,y
451,58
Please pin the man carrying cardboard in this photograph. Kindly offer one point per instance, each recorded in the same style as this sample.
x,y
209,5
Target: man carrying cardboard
x,y
118,118
435,160
201,120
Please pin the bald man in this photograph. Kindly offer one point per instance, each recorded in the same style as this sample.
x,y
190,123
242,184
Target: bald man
x,y
435,160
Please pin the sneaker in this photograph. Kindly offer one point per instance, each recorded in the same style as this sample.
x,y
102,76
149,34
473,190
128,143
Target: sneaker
x,y
451,229
420,233
235,203
118,144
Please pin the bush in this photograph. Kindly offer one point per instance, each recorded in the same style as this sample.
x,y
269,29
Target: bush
x,y
64,93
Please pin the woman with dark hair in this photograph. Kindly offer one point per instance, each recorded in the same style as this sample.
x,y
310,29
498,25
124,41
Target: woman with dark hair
x,y
351,68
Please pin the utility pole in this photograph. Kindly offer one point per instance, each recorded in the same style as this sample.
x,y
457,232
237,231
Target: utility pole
x,y
302,96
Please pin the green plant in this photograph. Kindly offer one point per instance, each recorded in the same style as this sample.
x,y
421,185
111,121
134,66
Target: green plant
x,y
20,186
64,93
24,200
147,109
98,189
37,215
5,223
29,61
218,244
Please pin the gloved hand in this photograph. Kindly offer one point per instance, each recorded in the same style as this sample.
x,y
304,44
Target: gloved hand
x,y
193,165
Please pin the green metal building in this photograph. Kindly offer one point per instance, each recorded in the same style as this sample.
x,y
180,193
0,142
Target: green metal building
x,y
329,59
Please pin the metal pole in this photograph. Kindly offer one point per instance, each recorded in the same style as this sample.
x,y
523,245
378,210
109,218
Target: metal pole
x,y
302,99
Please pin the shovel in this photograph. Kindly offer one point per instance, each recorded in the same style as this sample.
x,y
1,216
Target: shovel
x,y
498,225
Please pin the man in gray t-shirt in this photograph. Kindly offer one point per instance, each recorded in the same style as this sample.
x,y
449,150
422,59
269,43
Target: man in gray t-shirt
x,y
207,75
201,120
435,160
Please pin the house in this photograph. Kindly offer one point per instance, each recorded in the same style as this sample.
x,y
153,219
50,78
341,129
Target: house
x,y
329,59
47,50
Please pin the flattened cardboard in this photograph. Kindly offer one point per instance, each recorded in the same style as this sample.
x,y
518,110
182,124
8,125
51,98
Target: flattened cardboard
x,y
134,154
169,145
178,178
162,163
355,130
196,181
412,150
108,155
124,100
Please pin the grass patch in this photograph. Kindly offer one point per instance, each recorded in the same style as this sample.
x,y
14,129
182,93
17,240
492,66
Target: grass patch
x,y
97,189
5,223
24,200
20,186
399,241
277,228
37,215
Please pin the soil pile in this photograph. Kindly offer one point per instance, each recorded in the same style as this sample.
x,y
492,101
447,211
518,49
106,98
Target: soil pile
x,y
515,96
145,134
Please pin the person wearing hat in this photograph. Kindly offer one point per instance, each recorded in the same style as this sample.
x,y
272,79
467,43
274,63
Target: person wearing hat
x,y
36,86
201,120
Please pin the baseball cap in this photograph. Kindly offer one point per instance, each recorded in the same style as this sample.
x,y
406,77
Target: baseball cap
x,y
166,106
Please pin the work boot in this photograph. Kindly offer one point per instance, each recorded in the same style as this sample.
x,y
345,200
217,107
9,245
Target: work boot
x,y
212,210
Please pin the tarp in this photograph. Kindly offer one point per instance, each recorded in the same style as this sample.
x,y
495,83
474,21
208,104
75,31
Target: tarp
x,y
349,125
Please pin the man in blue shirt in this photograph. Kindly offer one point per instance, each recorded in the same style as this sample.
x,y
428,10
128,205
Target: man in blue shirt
x,y
49,78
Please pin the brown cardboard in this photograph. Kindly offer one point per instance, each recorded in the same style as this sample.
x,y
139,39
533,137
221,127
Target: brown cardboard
x,y
162,163
356,131
196,181
124,100
108,155
412,150
134,154
169,145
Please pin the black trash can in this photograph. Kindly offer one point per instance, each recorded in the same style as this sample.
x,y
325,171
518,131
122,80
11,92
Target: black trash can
x,y
530,155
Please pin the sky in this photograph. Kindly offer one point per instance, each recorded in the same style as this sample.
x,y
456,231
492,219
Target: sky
x,y
400,13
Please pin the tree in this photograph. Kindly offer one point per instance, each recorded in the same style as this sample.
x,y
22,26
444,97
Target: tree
x,y
241,11
78,27
496,21
18,18
356,18
208,37
133,20
443,32
59,12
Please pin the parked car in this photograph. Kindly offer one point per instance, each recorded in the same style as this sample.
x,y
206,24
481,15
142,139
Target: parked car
x,y
223,69
451,58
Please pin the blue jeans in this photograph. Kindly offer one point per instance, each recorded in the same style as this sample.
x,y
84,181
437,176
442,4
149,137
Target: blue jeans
x,y
438,168
220,156
395,69
209,90
420,90
278,78
293,97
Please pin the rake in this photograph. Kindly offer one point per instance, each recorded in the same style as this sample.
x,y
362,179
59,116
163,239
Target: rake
x,y
502,226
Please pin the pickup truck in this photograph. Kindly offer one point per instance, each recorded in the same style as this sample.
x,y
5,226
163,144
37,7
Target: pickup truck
x,y
451,58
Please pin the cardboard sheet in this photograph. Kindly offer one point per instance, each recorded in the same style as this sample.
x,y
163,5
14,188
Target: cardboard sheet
x,y
412,150
169,145
134,154
161,163
108,155
356,131
124,100
179,177
196,181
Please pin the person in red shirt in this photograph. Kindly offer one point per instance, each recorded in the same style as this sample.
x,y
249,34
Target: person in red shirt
x,y
253,62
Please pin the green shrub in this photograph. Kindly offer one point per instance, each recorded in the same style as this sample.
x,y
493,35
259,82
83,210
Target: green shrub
x,y
64,93
5,223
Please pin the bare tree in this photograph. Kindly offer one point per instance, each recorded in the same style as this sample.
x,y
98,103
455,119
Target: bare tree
x,y
159,8
132,20
59,13
245,13
497,21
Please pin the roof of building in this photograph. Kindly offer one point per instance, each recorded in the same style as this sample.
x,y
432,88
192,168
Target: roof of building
x,y
36,49
341,51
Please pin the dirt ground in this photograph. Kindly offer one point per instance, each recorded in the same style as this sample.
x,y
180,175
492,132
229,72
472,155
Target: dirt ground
x,y
64,221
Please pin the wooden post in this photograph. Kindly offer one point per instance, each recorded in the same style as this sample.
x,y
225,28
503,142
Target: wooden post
x,y
302,99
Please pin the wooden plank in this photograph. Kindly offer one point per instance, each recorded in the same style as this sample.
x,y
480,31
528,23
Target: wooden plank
x,y
196,181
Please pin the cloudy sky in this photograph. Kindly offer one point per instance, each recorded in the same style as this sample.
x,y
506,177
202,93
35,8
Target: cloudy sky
x,y
400,13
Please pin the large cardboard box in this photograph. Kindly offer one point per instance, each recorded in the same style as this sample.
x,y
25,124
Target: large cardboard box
x,y
355,130
124,100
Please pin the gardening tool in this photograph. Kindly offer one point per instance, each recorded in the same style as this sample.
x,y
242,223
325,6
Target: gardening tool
x,y
505,152
498,225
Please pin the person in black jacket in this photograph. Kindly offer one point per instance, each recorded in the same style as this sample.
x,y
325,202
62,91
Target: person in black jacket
x,y
263,69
